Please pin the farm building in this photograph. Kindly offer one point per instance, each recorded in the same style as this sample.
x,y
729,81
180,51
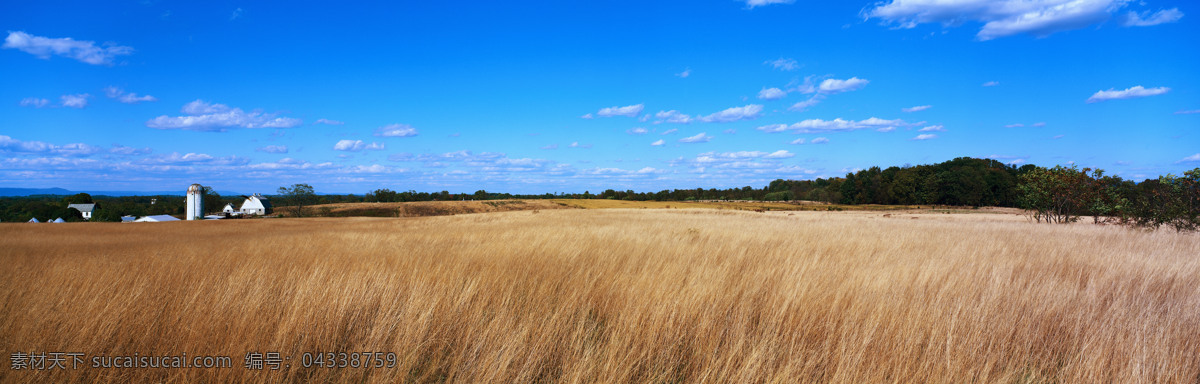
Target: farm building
x,y
85,209
229,209
256,205
58,220
156,219
34,220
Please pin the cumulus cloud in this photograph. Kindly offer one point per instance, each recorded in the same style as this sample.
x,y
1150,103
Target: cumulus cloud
x,y
84,51
925,136
1000,18
1190,159
273,149
748,112
750,4
713,157
127,97
357,145
1134,19
916,108
658,143
835,125
328,122
637,131
210,117
698,138
932,128
627,111
806,104
798,141
75,101
34,102
672,116
1128,93
128,151
587,116
11,145
771,94
396,130
783,64
190,158
831,86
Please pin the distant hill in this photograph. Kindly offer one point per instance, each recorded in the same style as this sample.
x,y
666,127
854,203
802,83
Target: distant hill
x,y
10,192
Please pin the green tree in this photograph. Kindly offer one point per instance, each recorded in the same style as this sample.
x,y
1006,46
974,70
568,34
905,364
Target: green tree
x,y
297,196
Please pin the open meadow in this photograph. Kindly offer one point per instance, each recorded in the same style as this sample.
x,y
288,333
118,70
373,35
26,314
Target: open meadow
x,y
612,295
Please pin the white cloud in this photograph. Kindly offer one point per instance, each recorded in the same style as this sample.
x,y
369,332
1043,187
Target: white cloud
x,y
1128,93
830,86
750,4
396,130
806,104
835,125
1018,125
1000,17
273,149
669,131
1038,124
771,94
357,145
819,140
672,116
328,122
75,101
713,157
11,145
658,143
925,136
85,51
783,64
798,141
991,84
748,112
627,111
236,14
1133,19
916,108
698,138
127,98
730,131
1190,159
34,102
587,116
1186,112
637,131
686,72
577,145
932,128
209,117
128,151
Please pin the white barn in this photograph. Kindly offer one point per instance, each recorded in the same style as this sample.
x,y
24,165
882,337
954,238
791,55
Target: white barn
x,y
85,209
229,209
256,205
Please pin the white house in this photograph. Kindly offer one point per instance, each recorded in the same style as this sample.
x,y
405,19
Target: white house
x,y
256,205
229,209
85,209
156,219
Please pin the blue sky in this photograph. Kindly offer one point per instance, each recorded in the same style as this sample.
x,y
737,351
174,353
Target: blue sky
x,y
541,96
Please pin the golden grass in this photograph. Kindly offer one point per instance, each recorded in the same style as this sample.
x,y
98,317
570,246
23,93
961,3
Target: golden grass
x,y
614,296
734,205
420,208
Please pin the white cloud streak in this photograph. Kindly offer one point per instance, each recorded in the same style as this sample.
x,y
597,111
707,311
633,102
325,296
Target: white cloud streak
x,y
209,117
396,130
84,51
1128,93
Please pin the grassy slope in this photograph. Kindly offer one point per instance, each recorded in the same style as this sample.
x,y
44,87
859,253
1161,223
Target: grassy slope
x,y
614,296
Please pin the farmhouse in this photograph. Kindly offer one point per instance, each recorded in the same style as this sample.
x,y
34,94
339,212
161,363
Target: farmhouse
x,y
85,209
256,205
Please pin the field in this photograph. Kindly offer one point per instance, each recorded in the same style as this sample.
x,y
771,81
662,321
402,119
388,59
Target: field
x,y
613,295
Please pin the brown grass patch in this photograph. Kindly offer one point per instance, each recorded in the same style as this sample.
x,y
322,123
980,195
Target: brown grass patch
x,y
613,296
420,208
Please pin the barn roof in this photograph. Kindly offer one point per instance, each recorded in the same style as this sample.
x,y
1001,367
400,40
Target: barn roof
x,y
83,207
156,218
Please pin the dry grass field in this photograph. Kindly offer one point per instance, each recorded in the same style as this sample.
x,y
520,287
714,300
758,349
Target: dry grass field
x,y
735,205
420,208
613,295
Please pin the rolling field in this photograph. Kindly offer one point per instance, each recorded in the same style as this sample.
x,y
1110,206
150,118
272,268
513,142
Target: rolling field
x,y
612,295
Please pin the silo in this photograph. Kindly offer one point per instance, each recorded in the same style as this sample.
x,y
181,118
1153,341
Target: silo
x,y
195,202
